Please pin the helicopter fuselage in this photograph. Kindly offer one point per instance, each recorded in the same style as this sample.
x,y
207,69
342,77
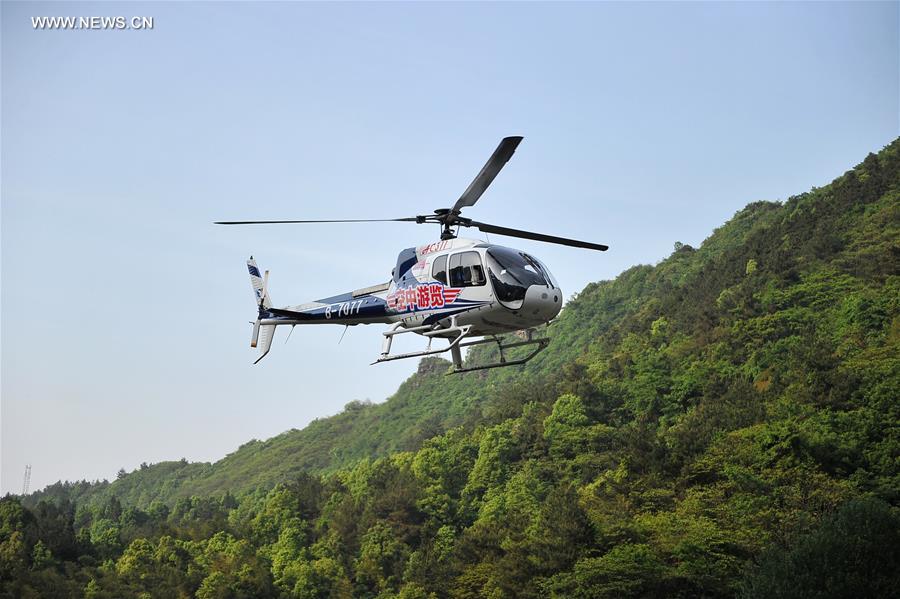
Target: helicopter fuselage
x,y
458,282
455,289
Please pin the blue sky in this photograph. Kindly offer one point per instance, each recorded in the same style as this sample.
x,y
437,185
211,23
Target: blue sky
x,y
125,311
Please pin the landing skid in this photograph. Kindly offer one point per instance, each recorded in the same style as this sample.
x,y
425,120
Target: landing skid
x,y
540,345
456,343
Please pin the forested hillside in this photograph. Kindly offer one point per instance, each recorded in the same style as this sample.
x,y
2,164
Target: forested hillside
x,y
725,423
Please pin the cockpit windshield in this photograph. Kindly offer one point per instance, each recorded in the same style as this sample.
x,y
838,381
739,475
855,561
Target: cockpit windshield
x,y
512,272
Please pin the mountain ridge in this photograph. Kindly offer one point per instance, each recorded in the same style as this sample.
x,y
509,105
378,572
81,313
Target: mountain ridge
x,y
723,423
428,403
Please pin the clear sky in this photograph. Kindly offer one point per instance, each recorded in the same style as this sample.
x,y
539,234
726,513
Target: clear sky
x,y
125,311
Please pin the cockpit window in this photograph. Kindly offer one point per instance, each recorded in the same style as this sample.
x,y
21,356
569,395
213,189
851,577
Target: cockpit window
x,y
466,270
439,270
546,272
512,273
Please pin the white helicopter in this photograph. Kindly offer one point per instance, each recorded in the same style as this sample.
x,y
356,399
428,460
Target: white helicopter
x,y
464,291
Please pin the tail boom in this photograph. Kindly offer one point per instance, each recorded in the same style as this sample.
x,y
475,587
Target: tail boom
x,y
363,306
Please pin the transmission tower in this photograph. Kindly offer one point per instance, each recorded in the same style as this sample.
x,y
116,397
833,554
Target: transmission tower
x,y
26,481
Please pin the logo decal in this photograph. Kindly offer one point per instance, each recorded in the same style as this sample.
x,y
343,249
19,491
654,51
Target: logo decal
x,y
434,247
422,297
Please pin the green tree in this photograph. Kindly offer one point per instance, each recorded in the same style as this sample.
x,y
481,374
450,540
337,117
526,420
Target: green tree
x,y
626,571
855,553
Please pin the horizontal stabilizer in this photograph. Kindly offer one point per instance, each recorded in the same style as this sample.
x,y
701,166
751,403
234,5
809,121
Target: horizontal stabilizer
x,y
291,314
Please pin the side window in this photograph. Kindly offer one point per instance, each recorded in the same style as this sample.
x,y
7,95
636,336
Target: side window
x,y
439,269
466,270
473,261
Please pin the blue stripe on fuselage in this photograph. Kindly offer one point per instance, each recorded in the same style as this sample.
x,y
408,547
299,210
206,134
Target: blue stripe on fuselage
x,y
370,307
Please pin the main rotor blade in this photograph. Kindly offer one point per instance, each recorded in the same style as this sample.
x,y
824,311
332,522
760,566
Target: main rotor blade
x,y
536,236
410,219
481,182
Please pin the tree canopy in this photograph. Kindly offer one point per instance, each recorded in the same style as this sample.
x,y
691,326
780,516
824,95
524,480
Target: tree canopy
x,y
724,423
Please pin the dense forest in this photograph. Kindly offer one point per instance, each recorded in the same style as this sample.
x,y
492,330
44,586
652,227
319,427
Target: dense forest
x,y
724,423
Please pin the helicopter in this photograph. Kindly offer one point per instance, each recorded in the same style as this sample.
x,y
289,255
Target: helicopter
x,y
465,292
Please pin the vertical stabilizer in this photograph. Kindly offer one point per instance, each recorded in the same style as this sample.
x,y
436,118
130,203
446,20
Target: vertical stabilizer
x,y
260,284
262,333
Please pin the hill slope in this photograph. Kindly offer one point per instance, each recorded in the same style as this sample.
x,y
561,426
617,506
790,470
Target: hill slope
x,y
771,269
725,422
